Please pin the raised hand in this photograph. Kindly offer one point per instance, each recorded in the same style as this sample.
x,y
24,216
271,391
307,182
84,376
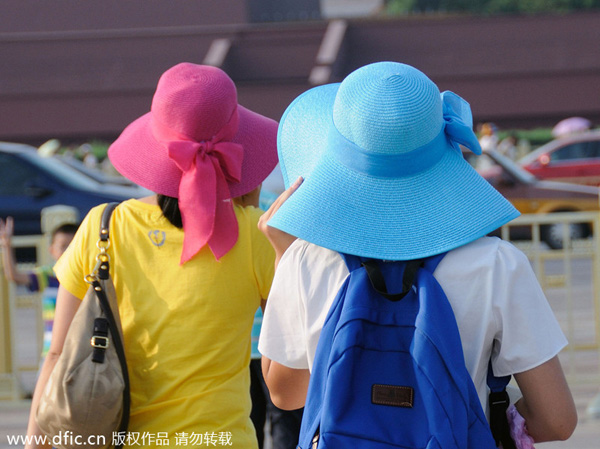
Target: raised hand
x,y
279,240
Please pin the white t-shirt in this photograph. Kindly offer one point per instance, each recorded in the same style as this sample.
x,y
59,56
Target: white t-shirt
x,y
496,298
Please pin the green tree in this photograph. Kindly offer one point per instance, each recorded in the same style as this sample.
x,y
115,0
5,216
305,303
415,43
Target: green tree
x,y
398,7
490,6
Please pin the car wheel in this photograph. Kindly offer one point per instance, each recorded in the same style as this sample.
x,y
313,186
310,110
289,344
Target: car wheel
x,y
553,234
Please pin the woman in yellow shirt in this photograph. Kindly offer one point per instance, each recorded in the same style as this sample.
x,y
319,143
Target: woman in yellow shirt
x,y
189,265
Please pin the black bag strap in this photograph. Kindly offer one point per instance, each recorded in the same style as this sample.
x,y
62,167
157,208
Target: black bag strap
x,y
104,240
378,282
499,402
119,348
105,220
103,274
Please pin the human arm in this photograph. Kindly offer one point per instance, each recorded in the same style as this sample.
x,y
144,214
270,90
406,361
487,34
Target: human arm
x,y
279,240
8,258
287,386
547,404
306,283
528,339
66,307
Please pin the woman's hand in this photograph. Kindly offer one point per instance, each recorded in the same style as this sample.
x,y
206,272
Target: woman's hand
x,y
280,240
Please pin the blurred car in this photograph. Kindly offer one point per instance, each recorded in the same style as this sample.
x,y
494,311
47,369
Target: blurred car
x,y
574,158
31,182
531,195
95,173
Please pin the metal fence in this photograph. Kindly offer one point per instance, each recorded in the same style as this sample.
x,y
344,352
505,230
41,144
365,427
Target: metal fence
x,y
21,320
569,276
14,303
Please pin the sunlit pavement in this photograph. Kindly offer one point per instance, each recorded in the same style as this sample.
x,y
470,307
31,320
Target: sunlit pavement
x,y
582,369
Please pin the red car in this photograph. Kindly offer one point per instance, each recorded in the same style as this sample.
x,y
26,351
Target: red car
x,y
574,159
531,195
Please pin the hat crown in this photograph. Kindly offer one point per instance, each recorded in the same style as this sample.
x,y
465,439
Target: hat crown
x,y
384,176
388,108
195,101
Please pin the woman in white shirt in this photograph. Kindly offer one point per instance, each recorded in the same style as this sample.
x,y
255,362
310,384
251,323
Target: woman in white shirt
x,y
379,174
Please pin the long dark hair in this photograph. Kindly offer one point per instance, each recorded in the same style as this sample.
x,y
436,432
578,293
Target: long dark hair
x,y
170,209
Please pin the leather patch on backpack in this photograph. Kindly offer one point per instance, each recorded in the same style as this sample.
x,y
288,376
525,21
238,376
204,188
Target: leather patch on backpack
x,y
392,395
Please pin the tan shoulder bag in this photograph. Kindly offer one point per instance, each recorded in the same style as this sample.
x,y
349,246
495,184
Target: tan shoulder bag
x,y
86,400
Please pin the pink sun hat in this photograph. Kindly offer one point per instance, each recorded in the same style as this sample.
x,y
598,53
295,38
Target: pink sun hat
x,y
199,145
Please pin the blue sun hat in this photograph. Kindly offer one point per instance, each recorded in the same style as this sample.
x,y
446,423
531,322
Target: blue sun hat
x,y
384,176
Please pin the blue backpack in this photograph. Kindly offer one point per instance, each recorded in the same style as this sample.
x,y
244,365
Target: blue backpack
x,y
389,369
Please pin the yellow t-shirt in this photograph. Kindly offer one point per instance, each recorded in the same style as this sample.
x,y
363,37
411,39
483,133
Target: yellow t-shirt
x,y
186,328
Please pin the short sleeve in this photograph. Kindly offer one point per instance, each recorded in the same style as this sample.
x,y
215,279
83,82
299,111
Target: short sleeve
x,y
282,334
306,282
528,333
78,259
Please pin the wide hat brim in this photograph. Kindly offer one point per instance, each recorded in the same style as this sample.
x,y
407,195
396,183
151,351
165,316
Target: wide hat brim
x,y
404,218
138,156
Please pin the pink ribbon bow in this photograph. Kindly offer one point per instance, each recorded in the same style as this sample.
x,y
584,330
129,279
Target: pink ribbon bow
x,y
204,198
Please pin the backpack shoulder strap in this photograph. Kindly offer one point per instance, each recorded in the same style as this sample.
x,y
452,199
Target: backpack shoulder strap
x,y
378,282
499,402
352,262
432,262
311,416
376,277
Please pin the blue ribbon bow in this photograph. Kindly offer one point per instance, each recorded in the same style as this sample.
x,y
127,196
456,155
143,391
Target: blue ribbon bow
x,y
459,121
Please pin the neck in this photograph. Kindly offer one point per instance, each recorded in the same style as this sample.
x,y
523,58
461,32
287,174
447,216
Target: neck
x,y
149,199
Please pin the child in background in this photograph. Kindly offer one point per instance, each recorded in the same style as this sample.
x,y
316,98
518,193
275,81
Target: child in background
x,y
41,279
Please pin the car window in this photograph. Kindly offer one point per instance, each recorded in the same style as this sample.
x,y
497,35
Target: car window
x,y
61,172
578,150
15,175
594,148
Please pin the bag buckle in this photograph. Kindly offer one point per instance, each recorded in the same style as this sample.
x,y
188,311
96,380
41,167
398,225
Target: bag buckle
x,y
98,341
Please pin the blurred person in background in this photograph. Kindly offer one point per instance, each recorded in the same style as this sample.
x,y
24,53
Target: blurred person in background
x,y
42,279
284,425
